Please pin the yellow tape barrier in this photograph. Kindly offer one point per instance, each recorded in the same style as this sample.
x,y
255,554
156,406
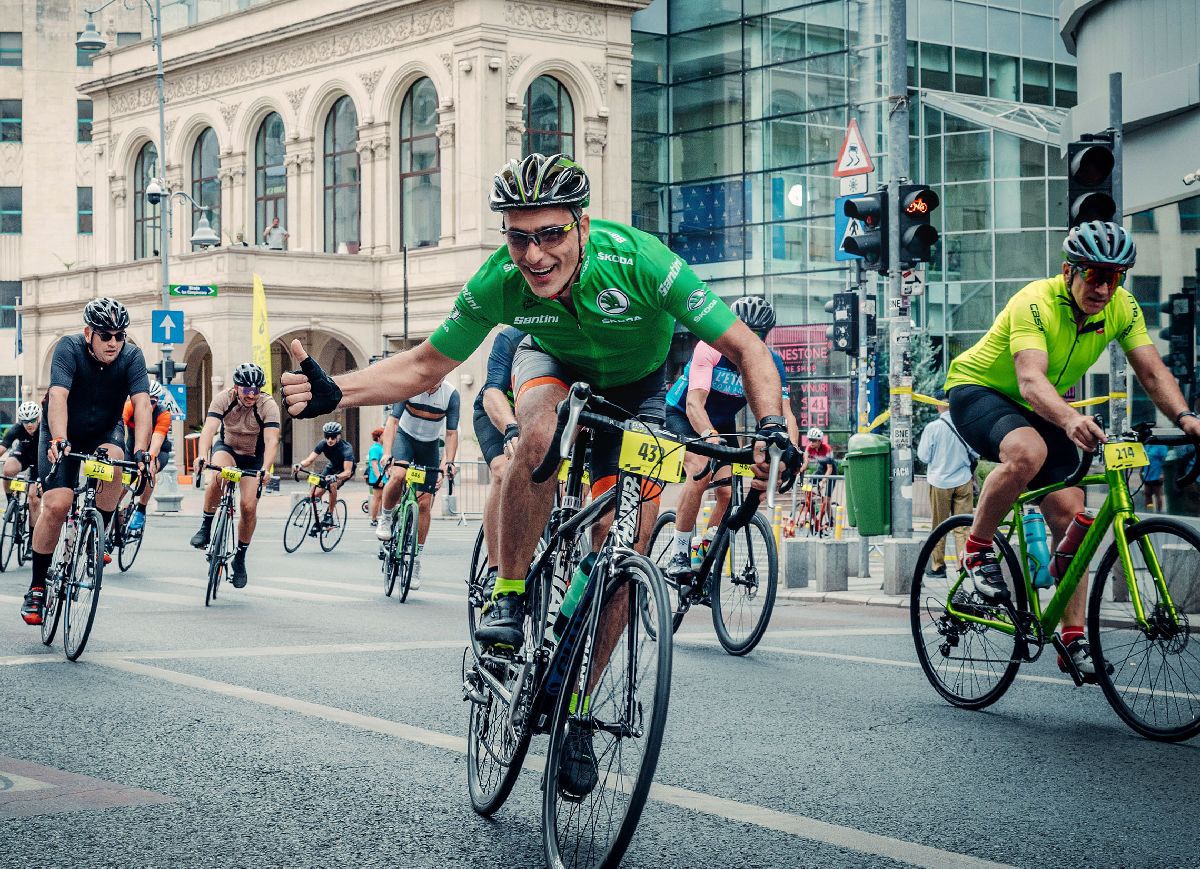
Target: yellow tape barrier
x,y
929,399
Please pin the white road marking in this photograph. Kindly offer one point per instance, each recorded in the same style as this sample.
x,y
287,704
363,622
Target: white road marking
x,y
812,829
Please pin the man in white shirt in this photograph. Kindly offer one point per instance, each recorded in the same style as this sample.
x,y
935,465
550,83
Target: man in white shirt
x,y
950,472
275,235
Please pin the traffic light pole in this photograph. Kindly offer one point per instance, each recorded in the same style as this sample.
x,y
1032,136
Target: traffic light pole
x,y
900,370
1118,374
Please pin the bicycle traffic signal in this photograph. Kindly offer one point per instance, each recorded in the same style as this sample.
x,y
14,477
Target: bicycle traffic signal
x,y
843,334
1180,335
917,234
1090,163
870,211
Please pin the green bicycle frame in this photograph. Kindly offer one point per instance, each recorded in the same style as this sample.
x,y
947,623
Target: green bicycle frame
x,y
1116,512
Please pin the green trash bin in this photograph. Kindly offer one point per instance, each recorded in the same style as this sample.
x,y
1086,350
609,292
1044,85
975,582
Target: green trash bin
x,y
869,484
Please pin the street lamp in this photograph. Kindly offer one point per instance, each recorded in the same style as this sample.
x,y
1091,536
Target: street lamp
x,y
157,191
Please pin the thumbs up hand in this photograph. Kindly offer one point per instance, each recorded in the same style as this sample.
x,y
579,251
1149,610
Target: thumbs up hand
x,y
308,392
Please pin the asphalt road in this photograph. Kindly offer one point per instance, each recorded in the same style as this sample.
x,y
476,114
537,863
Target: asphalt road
x,y
307,720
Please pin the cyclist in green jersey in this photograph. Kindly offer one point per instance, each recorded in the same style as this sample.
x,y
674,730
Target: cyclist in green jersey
x,y
1006,397
599,301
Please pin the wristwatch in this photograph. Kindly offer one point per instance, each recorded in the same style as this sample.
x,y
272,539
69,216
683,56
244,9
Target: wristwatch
x,y
1184,413
772,422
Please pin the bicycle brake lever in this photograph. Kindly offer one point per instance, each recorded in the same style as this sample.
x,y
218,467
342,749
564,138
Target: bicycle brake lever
x,y
775,452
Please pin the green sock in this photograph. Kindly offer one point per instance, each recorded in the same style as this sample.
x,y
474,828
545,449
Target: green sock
x,y
508,586
587,701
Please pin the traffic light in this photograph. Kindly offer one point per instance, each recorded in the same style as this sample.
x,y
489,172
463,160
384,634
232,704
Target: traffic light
x,y
872,245
843,334
1180,335
917,234
166,370
1090,163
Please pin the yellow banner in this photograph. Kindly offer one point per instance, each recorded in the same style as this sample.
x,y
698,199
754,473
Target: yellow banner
x,y
261,336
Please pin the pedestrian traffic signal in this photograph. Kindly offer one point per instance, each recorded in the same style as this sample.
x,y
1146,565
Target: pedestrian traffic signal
x,y
1180,335
872,245
166,369
843,334
917,234
1090,163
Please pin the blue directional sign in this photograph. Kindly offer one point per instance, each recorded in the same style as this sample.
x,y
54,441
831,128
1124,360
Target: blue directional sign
x,y
843,228
179,396
166,327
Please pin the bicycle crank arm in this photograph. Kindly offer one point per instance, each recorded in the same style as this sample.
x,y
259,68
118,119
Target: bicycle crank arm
x,y
1065,657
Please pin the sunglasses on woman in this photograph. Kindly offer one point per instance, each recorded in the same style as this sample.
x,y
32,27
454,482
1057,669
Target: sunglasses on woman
x,y
546,239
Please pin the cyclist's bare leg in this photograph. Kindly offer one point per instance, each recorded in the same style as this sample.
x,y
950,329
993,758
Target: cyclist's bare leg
x,y
424,514
333,490
35,504
144,498
55,505
248,487
1022,453
525,507
692,492
108,495
376,503
395,487
722,495
491,509
212,492
1060,508
12,467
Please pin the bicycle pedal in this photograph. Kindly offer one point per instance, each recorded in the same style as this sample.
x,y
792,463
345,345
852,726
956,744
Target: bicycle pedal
x,y
1064,660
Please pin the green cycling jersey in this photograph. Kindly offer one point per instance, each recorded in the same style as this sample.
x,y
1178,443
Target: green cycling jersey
x,y
1042,317
630,292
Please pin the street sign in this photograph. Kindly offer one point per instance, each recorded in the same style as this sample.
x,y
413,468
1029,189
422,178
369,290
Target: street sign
x,y
179,396
852,185
854,158
913,282
843,228
193,289
166,327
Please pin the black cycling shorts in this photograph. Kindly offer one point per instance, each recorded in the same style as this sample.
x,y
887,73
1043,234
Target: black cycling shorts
x,y
984,417
66,472
26,461
244,463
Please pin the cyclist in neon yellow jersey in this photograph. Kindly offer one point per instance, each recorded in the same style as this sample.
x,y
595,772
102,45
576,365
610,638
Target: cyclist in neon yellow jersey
x,y
1006,397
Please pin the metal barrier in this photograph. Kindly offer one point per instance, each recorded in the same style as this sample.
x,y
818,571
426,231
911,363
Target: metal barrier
x,y
471,481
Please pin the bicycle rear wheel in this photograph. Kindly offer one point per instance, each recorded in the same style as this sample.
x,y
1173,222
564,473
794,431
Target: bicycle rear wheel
x,y
970,664
623,715
331,537
743,593
408,549
55,586
83,585
662,545
299,521
217,564
131,541
9,533
1150,673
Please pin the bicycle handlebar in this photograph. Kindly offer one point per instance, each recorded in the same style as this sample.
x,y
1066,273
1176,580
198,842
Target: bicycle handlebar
x,y
1144,434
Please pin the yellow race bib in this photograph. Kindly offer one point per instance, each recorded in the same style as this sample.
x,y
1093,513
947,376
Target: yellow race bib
x,y
98,470
656,457
1122,456
231,474
742,470
314,480
17,486
415,476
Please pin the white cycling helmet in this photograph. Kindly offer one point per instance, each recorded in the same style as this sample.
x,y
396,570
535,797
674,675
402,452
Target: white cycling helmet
x,y
29,411
815,434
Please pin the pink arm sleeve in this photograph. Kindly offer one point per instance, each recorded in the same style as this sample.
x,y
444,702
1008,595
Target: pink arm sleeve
x,y
704,359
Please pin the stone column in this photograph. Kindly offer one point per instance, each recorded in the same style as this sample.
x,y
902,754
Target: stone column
x,y
595,140
366,194
383,192
233,199
181,214
118,233
445,134
300,198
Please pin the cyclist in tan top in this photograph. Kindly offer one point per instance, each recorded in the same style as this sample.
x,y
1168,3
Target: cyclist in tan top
x,y
242,429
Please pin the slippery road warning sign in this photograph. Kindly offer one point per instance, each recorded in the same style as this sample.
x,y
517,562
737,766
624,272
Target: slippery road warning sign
x,y
854,158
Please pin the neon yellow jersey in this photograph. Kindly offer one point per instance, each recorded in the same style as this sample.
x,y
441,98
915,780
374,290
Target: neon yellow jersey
x,y
1042,317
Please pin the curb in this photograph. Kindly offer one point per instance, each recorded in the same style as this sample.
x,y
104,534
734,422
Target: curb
x,y
843,597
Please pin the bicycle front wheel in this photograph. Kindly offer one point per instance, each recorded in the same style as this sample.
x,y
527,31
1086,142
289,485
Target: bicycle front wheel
x,y
495,751
83,585
475,586
969,663
1148,668
609,722
743,593
332,536
408,549
299,521
24,537
216,556
131,542
9,534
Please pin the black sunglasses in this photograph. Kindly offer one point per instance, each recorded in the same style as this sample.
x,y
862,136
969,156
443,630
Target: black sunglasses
x,y
111,336
550,237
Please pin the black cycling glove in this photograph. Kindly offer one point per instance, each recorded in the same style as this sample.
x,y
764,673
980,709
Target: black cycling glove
x,y
511,431
325,393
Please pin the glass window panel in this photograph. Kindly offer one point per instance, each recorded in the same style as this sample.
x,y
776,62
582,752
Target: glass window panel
x,y
1004,31
206,188
968,156
1020,204
935,67
687,14
10,120
707,102
649,57
1189,214
913,76
83,210
975,305
785,142
549,118
128,38
649,157
713,51
650,108
966,207
10,49
933,121
341,182
1021,255
422,209
145,216
650,207
9,292
1037,36
970,25
83,120
969,257
10,210
935,20
706,153
270,176
420,175
1065,95
970,74
1005,290
1056,200
933,160
1147,289
1002,77
1035,82
1142,221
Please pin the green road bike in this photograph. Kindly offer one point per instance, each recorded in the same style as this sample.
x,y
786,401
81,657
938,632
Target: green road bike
x,y
1144,594
399,551
16,532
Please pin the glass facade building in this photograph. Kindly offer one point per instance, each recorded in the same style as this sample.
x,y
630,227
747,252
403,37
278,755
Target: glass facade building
x,y
739,109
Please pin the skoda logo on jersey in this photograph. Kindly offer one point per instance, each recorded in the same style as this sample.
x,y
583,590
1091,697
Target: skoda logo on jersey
x,y
612,301
695,300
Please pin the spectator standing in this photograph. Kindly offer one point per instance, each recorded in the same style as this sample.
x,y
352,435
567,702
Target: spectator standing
x,y
275,235
1152,477
376,478
950,473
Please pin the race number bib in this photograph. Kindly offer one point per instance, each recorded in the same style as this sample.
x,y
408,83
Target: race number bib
x,y
1123,456
656,457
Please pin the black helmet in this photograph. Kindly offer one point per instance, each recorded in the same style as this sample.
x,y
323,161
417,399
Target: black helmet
x,y
249,374
538,181
756,312
332,429
107,314
1100,243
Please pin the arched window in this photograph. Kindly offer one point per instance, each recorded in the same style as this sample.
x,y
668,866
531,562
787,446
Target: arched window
x,y
270,176
549,118
420,168
341,177
206,187
145,216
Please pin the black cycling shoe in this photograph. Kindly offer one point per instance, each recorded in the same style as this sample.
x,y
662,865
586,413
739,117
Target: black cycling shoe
x,y
238,569
201,537
936,572
984,570
679,566
1081,657
501,626
577,774
34,606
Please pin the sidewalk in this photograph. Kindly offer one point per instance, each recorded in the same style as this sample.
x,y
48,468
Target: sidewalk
x,y
862,591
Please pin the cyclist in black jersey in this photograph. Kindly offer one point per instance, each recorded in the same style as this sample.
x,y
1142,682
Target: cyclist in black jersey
x,y
91,374
339,457
20,450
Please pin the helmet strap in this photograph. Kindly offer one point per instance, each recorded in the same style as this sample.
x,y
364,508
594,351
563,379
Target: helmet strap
x,y
576,213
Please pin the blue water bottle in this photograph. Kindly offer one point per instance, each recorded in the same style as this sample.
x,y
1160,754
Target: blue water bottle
x,y
1036,548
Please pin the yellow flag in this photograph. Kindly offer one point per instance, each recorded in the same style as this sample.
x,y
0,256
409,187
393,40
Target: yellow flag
x,y
261,337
